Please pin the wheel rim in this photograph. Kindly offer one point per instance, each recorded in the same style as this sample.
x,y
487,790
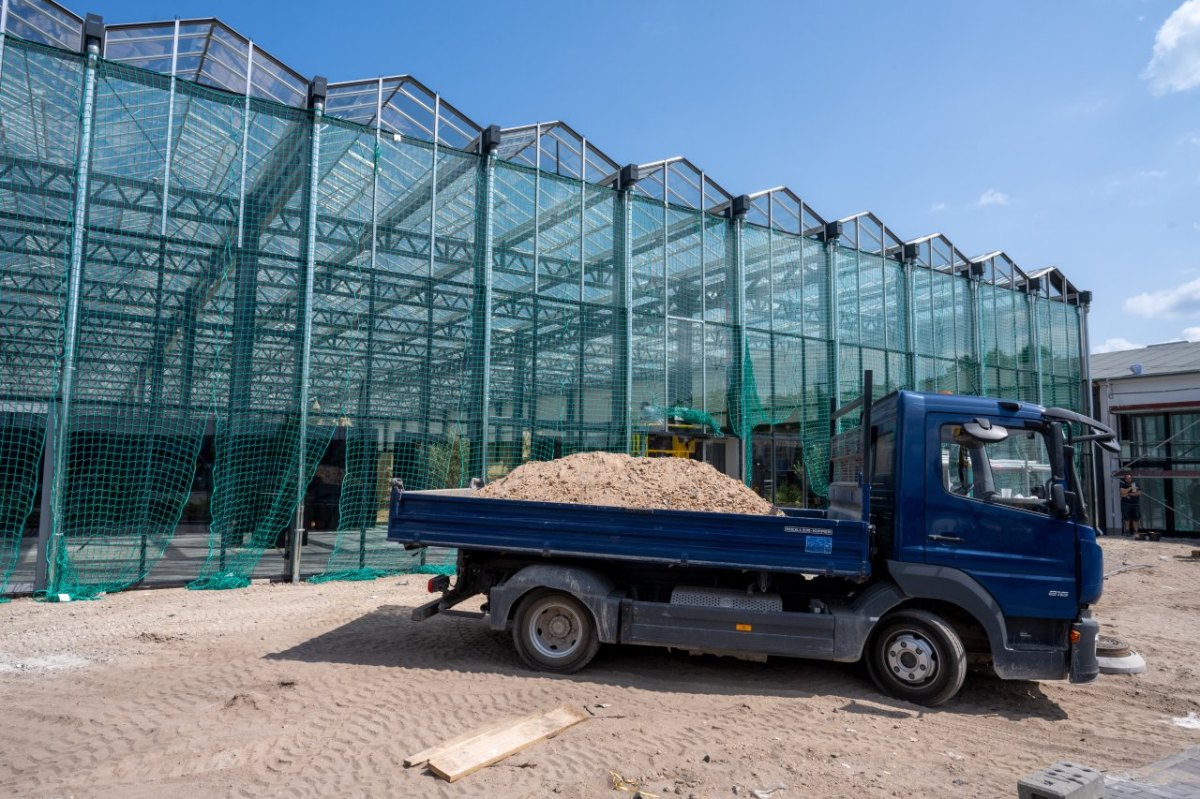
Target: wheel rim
x,y
911,658
555,631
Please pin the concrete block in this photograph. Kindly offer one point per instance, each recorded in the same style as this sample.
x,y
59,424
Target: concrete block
x,y
1062,781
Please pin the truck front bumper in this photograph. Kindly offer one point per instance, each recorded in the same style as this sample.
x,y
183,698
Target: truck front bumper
x,y
1084,665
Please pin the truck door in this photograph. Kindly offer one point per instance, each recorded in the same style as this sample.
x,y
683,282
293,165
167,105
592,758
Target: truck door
x,y
988,515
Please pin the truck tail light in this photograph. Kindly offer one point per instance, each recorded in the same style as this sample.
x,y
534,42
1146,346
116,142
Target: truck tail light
x,y
1075,636
438,583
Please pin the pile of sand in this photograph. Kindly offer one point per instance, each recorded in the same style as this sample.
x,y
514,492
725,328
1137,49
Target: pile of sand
x,y
605,478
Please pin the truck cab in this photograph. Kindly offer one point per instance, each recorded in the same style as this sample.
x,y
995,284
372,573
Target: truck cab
x,y
978,508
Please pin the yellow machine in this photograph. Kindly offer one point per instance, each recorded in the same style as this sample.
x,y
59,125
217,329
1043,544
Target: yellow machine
x,y
679,447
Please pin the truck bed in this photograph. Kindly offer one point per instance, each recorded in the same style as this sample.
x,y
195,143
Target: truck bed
x,y
798,544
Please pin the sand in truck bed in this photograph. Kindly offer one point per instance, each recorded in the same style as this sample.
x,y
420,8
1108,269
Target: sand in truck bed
x,y
605,478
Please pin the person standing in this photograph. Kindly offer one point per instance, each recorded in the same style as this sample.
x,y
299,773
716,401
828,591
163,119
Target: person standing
x,y
1131,505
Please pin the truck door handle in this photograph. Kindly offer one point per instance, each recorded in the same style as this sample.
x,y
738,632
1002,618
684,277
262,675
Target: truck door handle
x,y
945,539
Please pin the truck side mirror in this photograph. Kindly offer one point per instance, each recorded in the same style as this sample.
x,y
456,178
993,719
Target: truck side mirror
x,y
983,431
1058,501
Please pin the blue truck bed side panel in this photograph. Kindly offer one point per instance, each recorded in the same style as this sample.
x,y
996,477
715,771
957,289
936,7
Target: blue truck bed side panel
x,y
676,538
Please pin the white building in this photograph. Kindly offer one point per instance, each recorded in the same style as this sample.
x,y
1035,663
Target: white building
x,y
1151,397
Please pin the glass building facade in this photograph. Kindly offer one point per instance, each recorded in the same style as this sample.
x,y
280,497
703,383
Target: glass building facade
x,y
235,302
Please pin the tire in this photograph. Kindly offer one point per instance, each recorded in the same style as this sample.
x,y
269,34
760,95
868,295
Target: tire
x,y
554,632
916,656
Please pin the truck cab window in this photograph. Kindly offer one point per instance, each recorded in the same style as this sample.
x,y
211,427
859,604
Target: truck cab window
x,y
1014,472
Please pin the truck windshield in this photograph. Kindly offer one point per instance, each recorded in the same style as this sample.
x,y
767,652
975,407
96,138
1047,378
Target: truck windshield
x,y
1014,472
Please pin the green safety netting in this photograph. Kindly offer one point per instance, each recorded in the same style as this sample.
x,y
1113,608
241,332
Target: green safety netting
x,y
128,441
681,415
238,318
33,269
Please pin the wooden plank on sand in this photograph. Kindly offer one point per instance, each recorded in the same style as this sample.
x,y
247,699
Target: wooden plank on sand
x,y
499,743
427,754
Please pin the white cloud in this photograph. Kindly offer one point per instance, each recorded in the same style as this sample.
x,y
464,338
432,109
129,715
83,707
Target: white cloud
x,y
1191,333
1115,345
1183,300
1152,173
937,208
1175,63
994,197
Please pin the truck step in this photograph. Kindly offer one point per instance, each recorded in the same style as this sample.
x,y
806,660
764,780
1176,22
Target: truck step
x,y
431,608
713,629
464,614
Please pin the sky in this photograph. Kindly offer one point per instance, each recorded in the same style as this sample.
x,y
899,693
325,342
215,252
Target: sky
x,y
1064,133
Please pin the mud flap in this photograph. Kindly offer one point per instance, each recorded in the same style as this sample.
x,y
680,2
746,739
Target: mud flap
x,y
1084,665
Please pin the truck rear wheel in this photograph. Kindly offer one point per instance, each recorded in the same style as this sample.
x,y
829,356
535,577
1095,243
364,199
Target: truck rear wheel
x,y
553,631
916,656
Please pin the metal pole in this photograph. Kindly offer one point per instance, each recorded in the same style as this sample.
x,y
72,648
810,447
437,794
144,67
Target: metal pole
x,y
976,336
245,146
625,197
771,340
703,302
743,356
246,280
1086,375
1084,349
170,126
71,333
46,508
835,339
489,208
368,378
666,309
910,338
156,376
425,402
306,352
580,365
537,266
1035,339
483,312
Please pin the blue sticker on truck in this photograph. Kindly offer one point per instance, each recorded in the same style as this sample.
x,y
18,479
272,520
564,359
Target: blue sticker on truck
x,y
818,544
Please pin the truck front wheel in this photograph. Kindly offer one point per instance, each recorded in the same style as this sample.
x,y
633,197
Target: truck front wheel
x,y
917,656
553,631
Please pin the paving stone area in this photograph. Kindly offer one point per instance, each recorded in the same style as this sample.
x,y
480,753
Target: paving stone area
x,y
1176,777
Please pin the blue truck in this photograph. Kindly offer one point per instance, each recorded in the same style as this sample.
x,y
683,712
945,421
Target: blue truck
x,y
961,536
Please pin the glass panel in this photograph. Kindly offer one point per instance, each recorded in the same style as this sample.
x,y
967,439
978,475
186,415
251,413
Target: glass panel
x,y
1146,436
45,24
685,276
1187,504
1154,503
1012,472
1185,437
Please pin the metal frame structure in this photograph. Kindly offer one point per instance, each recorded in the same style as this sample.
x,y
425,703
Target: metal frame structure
x,y
223,251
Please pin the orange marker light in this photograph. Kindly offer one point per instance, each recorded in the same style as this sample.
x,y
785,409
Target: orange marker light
x,y
744,628
1075,636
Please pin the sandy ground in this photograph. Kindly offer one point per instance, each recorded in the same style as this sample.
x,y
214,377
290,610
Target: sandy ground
x,y
322,690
